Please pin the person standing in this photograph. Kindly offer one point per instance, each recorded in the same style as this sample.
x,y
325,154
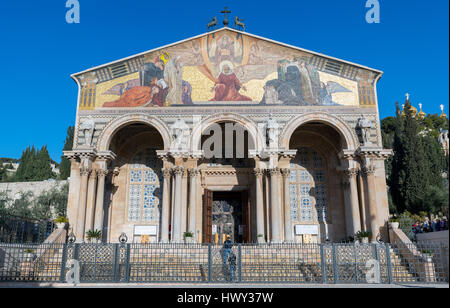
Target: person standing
x,y
227,245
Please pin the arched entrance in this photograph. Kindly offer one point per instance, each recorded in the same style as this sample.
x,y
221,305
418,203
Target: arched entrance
x,y
227,185
317,200
135,188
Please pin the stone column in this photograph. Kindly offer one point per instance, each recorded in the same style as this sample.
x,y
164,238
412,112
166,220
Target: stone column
x,y
193,189
352,214
178,203
288,236
90,205
259,205
85,170
370,189
274,206
99,204
165,211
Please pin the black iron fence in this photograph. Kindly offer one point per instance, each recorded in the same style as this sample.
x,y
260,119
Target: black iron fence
x,y
22,230
199,263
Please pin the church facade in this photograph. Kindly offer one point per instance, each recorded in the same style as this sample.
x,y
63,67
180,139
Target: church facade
x,y
228,134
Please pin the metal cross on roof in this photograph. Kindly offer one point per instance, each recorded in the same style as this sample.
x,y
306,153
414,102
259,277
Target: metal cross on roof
x,y
225,20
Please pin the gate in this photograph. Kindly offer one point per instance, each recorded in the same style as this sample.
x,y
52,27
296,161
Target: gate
x,y
242,263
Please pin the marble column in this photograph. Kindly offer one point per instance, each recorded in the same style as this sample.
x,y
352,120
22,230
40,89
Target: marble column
x,y
370,189
259,205
177,237
288,232
352,213
92,186
165,211
99,204
193,189
275,212
85,170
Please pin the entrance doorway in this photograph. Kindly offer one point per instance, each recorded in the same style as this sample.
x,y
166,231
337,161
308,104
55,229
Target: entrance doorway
x,y
226,214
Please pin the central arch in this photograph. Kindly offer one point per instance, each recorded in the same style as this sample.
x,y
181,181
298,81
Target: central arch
x,y
249,125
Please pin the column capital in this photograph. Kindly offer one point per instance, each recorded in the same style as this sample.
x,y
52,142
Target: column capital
x,y
167,172
194,172
258,172
178,170
102,172
93,174
351,172
86,166
285,172
368,170
273,171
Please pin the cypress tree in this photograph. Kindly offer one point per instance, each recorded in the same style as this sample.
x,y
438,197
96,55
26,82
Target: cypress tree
x,y
42,166
25,170
64,167
410,166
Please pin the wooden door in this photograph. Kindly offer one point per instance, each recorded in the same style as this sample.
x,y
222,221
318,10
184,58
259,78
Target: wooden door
x,y
207,216
246,217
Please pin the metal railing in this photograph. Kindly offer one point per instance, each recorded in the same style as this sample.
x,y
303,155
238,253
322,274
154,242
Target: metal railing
x,y
22,230
242,263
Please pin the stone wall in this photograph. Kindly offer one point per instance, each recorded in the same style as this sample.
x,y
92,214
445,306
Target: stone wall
x,y
433,237
14,190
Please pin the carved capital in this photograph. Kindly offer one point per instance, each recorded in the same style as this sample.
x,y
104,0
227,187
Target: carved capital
x,y
93,174
85,170
194,172
274,171
166,173
178,170
368,170
352,172
102,172
285,172
258,172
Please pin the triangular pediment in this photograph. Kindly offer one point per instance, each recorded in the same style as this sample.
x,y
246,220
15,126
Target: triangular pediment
x,y
226,66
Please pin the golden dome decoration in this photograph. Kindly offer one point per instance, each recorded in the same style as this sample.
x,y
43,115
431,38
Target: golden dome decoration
x,y
443,115
421,114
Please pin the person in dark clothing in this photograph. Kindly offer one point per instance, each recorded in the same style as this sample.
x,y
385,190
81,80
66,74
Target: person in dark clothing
x,y
227,245
232,263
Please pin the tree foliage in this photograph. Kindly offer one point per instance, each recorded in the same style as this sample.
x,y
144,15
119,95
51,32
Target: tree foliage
x,y
35,165
415,170
48,205
64,168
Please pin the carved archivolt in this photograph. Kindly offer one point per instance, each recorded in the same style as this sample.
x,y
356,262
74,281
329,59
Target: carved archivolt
x,y
109,131
348,135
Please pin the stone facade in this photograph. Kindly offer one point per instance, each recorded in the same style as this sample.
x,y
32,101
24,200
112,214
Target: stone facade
x,y
311,172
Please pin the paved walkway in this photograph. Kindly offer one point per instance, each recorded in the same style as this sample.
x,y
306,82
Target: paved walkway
x,y
212,285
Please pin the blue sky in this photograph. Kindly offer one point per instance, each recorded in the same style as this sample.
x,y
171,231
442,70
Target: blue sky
x,y
40,50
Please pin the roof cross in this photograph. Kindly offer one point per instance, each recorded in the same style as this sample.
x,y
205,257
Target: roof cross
x,y
225,20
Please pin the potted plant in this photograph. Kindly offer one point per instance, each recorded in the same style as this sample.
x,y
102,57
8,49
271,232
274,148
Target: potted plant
x,y
188,237
363,236
29,255
260,238
61,222
427,255
394,223
94,235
